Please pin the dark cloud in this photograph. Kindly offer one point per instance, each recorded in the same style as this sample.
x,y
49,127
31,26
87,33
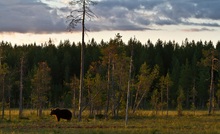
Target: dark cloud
x,y
29,16
208,9
35,16
145,13
122,15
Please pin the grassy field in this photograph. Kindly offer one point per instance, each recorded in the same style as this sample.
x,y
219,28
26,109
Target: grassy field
x,y
140,123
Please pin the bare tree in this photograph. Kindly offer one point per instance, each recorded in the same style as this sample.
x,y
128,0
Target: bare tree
x,y
129,83
76,16
21,87
211,61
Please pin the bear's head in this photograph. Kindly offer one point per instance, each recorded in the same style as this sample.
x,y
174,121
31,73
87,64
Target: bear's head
x,y
54,111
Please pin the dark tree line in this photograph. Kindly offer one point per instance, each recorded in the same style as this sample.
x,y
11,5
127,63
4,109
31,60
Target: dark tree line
x,y
164,75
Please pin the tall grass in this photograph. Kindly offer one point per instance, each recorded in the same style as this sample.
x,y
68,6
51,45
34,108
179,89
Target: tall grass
x,y
139,123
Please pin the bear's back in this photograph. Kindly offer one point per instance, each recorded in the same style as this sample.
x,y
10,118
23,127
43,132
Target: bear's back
x,y
65,114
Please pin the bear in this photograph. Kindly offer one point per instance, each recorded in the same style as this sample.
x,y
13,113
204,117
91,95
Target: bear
x,y
61,113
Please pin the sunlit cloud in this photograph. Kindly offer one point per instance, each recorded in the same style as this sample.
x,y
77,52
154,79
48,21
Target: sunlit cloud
x,y
197,29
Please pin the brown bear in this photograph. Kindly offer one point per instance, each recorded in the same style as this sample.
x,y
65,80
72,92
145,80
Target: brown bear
x,y
61,113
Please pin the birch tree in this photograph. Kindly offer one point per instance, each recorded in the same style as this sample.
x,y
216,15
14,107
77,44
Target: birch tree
x,y
74,86
41,85
145,80
165,84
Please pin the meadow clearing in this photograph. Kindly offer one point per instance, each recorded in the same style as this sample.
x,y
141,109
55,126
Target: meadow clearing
x,y
141,122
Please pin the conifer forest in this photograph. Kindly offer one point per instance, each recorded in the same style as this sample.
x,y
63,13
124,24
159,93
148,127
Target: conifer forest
x,y
161,76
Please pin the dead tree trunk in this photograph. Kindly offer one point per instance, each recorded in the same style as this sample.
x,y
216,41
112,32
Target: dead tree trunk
x,y
82,62
211,87
128,91
167,98
3,97
21,89
108,88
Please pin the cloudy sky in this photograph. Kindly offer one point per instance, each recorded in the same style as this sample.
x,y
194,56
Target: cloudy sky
x,y
25,21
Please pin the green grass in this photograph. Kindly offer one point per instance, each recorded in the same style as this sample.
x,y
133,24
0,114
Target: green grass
x,y
141,122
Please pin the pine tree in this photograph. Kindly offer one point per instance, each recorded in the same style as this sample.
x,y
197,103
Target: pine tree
x,y
155,101
180,99
210,59
4,69
75,17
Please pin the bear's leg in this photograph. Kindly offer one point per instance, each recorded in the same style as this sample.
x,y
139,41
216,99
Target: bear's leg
x,y
58,118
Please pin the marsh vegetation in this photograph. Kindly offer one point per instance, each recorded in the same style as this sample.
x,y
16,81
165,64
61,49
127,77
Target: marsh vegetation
x,y
139,123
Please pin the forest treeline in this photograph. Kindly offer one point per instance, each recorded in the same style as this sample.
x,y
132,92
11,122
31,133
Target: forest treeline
x,y
164,75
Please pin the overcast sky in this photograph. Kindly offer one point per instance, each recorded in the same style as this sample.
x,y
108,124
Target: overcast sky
x,y
49,16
